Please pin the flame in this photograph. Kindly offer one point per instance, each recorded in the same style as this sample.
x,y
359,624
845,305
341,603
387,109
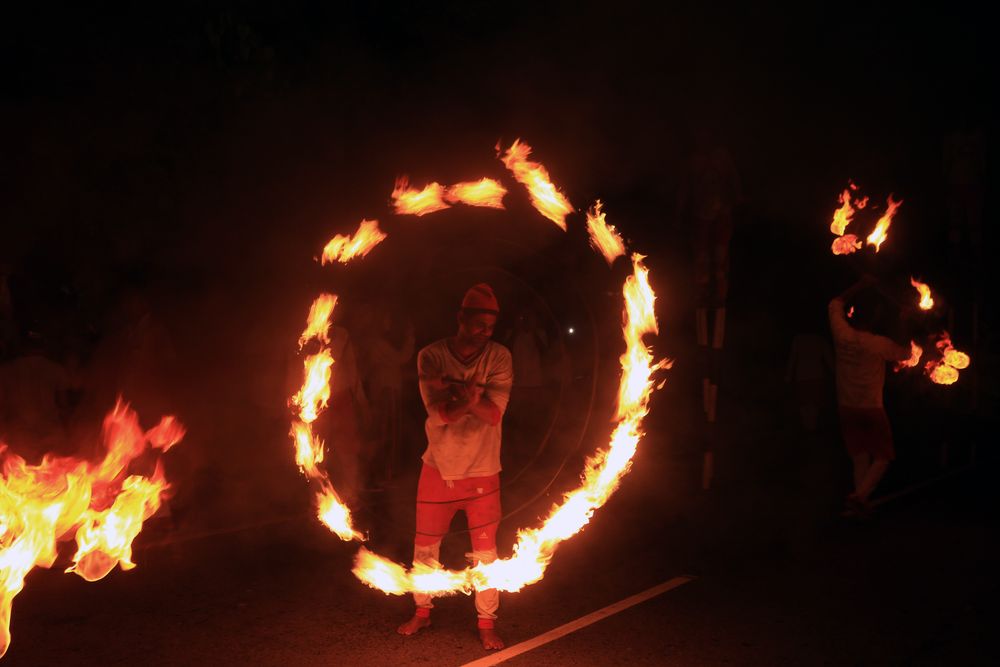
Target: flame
x,y
41,505
941,373
926,300
310,401
951,356
915,353
842,216
603,472
410,201
845,245
318,322
878,236
545,197
345,248
604,237
946,369
485,192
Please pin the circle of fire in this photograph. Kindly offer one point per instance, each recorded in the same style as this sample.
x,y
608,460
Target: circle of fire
x,y
603,471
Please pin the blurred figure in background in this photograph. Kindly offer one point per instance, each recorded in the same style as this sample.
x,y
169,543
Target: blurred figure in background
x,y
528,346
7,325
34,401
384,362
810,363
709,192
862,351
965,174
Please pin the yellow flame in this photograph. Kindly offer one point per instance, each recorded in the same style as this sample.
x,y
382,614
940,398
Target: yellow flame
x,y
881,231
315,392
311,400
941,373
345,248
604,238
926,300
318,322
545,197
842,216
41,505
485,192
410,201
534,548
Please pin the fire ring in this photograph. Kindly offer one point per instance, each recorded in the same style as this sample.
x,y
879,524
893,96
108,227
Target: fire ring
x,y
603,471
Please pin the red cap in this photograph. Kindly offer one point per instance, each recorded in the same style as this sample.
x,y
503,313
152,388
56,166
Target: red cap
x,y
481,297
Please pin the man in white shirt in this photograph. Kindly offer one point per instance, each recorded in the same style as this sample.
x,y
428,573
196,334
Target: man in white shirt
x,y
465,383
861,356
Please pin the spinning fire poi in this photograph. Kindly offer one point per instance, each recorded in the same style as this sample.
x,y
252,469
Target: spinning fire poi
x,y
94,502
862,351
476,408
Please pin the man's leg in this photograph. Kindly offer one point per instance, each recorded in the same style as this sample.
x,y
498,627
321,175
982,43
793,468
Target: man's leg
x,y
862,462
872,477
483,515
434,516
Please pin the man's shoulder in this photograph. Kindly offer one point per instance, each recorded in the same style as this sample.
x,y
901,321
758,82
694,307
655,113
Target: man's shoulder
x,y
497,351
435,348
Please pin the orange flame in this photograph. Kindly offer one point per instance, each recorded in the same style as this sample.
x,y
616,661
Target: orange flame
x,y
845,245
410,201
945,370
345,248
926,300
310,401
604,238
842,216
951,356
915,353
485,192
545,197
941,373
878,236
603,472
42,504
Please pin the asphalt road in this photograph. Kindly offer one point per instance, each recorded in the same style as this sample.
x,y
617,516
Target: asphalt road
x,y
915,585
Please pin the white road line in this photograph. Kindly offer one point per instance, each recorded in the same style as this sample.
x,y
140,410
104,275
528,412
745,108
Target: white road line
x,y
582,622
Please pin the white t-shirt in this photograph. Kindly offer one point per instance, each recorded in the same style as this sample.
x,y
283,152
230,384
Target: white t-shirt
x,y
861,358
468,447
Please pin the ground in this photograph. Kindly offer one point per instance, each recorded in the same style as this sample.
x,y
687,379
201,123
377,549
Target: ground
x,y
914,585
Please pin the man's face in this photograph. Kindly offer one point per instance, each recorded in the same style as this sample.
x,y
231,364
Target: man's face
x,y
477,328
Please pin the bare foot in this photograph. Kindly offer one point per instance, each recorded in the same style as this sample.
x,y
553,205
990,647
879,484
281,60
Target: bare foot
x,y
491,640
414,625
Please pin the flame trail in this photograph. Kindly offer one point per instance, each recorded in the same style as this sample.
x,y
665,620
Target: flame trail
x,y
345,248
534,548
604,238
410,201
485,192
310,401
926,300
41,505
881,231
545,197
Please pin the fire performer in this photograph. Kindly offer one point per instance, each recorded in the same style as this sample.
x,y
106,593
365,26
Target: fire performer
x,y
465,383
861,355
